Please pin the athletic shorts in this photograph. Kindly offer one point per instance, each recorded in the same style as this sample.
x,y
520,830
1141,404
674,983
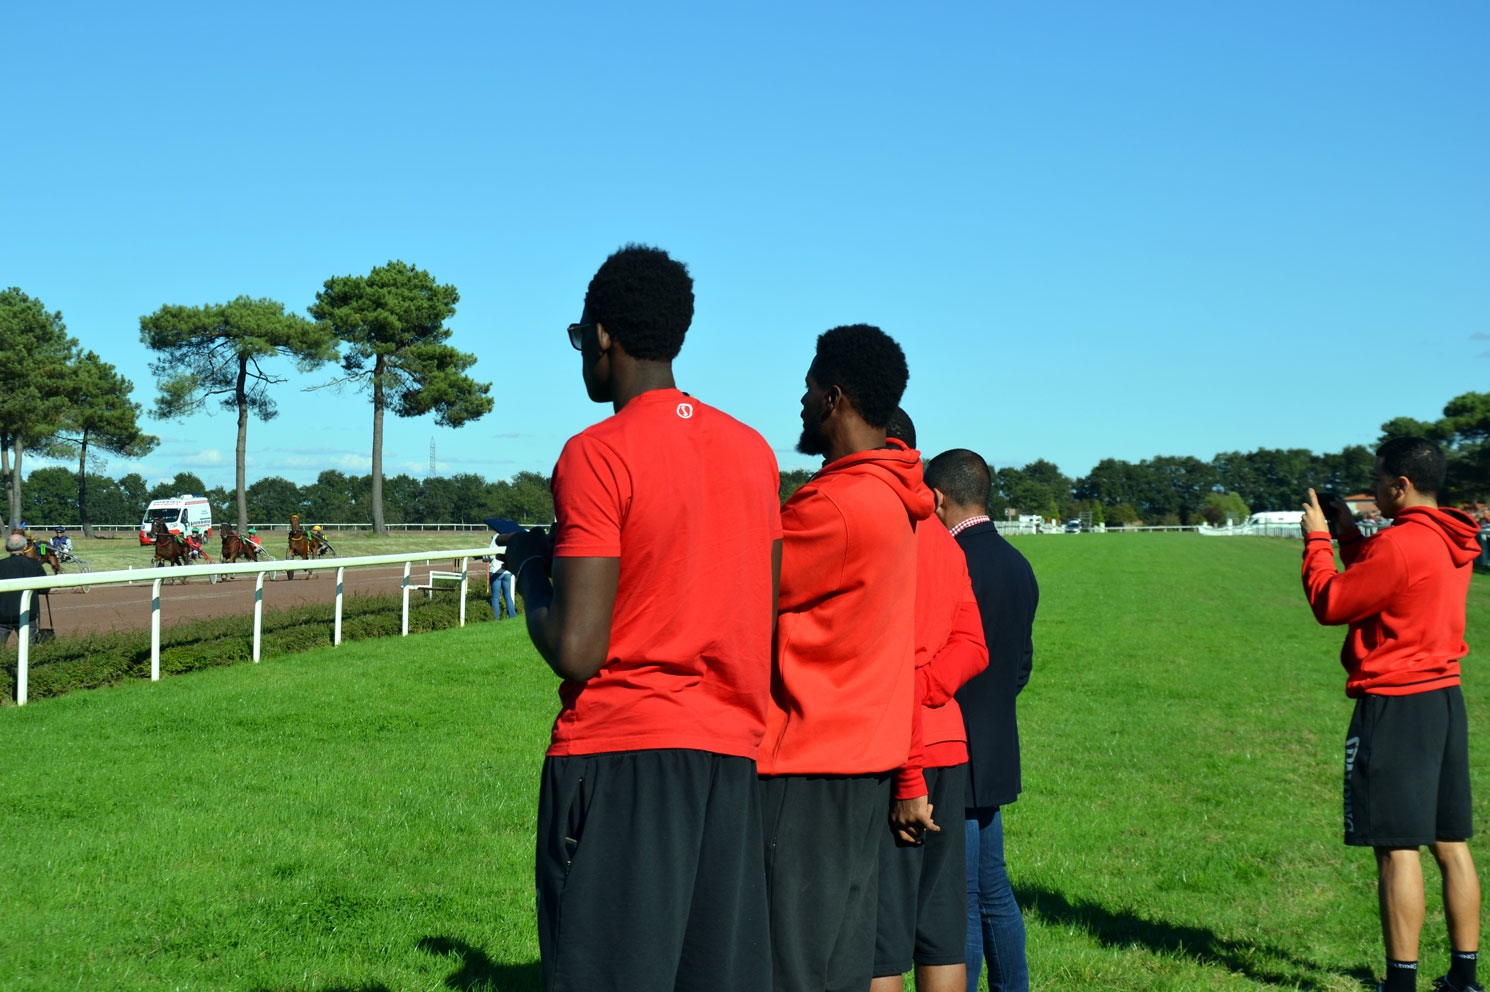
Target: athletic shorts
x,y
649,873
1407,770
822,874
922,916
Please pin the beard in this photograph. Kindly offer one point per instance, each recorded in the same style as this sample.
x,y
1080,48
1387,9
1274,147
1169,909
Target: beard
x,y
811,442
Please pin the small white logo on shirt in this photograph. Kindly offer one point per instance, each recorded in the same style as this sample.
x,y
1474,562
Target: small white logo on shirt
x,y
685,410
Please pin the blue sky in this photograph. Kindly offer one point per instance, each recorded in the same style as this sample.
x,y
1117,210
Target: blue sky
x,y
1099,230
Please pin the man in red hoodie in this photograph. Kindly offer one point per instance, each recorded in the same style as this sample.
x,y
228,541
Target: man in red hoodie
x,y
842,686
1406,754
922,914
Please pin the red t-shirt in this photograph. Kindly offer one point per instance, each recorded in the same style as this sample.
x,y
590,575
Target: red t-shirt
x,y
686,497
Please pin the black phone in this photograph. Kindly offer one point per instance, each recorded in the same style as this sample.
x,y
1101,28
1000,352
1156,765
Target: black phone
x,y
1327,500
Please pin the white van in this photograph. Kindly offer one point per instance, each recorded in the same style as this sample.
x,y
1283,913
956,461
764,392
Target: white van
x,y
180,513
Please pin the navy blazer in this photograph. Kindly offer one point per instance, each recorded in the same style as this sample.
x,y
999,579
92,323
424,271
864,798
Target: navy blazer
x,y
1007,594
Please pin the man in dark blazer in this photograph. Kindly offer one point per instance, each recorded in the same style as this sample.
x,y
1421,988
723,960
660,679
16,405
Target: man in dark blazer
x,y
1007,594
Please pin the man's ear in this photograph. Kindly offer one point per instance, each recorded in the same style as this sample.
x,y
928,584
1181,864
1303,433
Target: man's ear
x,y
832,397
602,337
941,504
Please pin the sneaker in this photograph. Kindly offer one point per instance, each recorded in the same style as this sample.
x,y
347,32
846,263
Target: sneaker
x,y
1444,985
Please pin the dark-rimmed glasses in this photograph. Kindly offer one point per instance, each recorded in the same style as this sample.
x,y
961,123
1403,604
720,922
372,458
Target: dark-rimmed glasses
x,y
577,334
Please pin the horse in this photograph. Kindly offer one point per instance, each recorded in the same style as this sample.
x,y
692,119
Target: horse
x,y
299,544
37,551
235,547
170,549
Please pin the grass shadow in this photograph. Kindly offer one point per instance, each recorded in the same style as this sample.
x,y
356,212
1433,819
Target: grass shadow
x,y
1261,962
475,972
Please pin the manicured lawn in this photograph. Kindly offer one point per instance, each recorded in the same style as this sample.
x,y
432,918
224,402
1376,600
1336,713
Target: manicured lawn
x,y
361,817
1180,826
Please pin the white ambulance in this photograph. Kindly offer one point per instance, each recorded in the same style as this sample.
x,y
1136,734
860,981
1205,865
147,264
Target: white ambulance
x,y
180,513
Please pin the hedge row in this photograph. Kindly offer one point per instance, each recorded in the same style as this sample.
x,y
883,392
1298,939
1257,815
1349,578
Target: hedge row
x,y
92,661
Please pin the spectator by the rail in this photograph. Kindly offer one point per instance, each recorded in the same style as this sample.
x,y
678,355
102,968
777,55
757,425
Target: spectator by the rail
x,y
17,565
1007,594
500,583
655,606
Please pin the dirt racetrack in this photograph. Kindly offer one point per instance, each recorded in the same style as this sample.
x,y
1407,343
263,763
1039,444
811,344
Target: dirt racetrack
x,y
127,607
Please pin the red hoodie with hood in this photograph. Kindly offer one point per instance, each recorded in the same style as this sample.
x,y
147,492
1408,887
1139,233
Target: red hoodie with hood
x,y
844,674
1402,593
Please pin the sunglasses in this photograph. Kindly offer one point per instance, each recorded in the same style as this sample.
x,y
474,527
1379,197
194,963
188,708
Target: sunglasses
x,y
577,334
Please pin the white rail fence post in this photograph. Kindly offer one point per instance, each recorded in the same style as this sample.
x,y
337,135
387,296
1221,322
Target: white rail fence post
x,y
23,645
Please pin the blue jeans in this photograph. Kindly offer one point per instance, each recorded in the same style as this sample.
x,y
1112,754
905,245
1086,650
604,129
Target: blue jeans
x,y
501,586
995,927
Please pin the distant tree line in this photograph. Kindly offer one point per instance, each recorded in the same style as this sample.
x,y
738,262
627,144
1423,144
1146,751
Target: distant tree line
x,y
1182,489
385,329
50,498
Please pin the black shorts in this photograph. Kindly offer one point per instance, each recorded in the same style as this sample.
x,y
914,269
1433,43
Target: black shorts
x,y
822,874
922,917
1407,770
649,873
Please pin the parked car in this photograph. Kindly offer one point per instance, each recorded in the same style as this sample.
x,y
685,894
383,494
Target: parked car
x,y
1073,526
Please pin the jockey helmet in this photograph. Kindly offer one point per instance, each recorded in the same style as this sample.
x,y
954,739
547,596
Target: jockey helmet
x,y
252,531
316,529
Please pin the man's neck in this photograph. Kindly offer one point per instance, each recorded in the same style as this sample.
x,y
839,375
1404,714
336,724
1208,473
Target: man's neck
x,y
634,377
956,513
851,438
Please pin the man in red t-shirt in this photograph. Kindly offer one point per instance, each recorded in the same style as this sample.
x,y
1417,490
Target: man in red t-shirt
x,y
649,864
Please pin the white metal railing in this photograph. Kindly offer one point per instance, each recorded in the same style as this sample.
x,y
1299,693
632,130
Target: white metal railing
x,y
128,577
475,527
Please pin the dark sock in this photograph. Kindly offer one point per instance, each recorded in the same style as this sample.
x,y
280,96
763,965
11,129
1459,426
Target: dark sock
x,y
1461,968
1402,976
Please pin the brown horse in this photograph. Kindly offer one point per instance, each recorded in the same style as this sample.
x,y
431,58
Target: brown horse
x,y
170,549
43,553
299,544
235,547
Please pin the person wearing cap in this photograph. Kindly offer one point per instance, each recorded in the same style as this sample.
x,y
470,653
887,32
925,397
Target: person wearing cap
x,y
61,543
253,538
17,566
500,583
193,542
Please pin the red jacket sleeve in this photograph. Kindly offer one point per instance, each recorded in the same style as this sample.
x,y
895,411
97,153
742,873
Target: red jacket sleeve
x,y
962,656
1373,575
910,780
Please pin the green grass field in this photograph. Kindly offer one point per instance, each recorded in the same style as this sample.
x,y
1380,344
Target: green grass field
x,y
360,818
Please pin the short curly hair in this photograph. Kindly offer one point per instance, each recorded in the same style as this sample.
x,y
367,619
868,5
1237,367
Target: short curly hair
x,y
902,426
867,365
644,298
